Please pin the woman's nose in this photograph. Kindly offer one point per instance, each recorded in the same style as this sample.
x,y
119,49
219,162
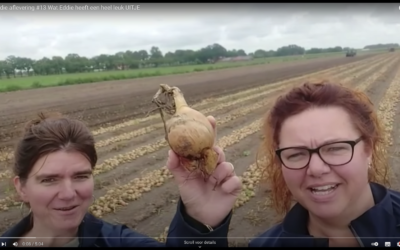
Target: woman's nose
x,y
317,167
67,191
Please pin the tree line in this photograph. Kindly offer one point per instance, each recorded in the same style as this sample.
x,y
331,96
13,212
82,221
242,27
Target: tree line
x,y
14,66
382,46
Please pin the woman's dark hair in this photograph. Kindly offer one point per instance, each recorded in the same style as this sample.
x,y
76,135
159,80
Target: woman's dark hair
x,y
49,133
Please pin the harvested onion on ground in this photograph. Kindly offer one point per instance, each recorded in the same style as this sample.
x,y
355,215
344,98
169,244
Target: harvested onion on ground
x,y
188,132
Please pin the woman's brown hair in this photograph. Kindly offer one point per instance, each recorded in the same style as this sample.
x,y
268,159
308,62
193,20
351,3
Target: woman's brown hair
x,y
49,133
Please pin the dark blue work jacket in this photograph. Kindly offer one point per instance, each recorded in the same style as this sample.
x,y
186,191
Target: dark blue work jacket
x,y
379,224
94,232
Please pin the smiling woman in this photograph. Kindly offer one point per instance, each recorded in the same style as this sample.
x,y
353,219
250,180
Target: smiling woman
x,y
52,199
325,150
53,177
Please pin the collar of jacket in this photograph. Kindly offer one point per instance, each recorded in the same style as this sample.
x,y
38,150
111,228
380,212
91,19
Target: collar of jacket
x,y
378,224
88,232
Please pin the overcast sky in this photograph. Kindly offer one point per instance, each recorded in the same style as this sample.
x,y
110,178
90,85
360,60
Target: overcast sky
x,y
36,34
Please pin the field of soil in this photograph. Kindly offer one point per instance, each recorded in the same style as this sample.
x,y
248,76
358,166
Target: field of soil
x,y
132,185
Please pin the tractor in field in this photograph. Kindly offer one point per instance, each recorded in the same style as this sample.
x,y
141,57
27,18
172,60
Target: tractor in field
x,y
351,53
391,50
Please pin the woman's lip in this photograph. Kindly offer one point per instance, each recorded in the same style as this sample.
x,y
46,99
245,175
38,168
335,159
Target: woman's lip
x,y
65,208
67,212
321,185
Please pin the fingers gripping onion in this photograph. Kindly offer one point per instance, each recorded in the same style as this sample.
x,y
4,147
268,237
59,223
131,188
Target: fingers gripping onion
x,y
188,132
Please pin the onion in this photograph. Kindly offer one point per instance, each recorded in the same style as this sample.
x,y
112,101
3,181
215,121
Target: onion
x,y
188,132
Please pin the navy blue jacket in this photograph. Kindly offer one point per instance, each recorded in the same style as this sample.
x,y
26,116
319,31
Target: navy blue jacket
x,y
379,224
94,232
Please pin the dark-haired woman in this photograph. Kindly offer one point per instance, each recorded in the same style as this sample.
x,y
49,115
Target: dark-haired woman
x,y
54,162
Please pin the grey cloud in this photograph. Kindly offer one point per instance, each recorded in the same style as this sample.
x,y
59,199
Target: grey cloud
x,y
249,27
387,13
182,36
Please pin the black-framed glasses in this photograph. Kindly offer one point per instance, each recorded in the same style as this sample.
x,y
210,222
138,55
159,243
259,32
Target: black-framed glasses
x,y
333,154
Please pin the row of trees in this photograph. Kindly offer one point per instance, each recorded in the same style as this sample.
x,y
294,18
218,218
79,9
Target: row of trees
x,y
14,66
382,46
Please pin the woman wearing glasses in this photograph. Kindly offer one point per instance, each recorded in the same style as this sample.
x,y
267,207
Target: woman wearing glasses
x,y
325,150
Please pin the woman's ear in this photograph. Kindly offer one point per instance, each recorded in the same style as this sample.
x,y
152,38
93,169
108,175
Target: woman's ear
x,y
368,151
20,188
